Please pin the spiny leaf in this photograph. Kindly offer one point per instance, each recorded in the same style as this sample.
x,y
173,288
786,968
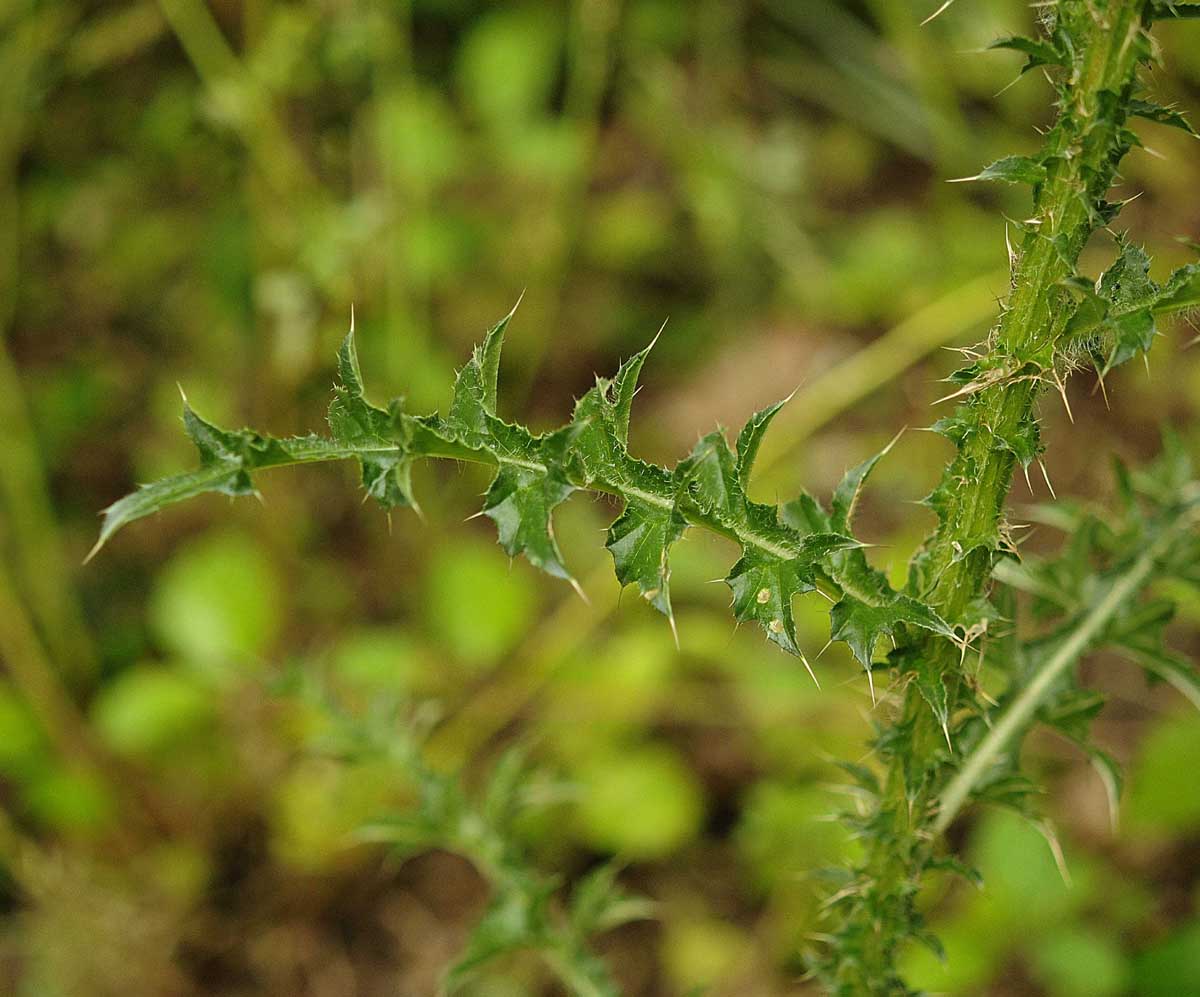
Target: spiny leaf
x,y
750,439
625,387
227,459
776,563
869,608
1163,115
1166,667
641,537
476,387
1041,52
780,558
640,541
1112,777
1167,11
380,436
530,482
515,919
1121,310
1010,169
1181,291
845,496
763,586
1127,282
861,623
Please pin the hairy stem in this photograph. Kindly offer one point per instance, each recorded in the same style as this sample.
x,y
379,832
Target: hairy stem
x,y
952,570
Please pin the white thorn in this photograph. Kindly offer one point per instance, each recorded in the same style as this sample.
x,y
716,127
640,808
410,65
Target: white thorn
x,y
808,668
936,13
657,334
1047,477
1062,390
579,591
871,685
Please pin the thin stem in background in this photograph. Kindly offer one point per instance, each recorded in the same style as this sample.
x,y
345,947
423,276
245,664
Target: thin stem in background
x,y
591,28
1020,711
24,493
241,96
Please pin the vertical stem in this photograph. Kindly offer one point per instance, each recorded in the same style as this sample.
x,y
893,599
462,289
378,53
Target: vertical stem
x,y
1081,155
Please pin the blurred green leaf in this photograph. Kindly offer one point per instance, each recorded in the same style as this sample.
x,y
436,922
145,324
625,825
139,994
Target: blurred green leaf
x,y
147,711
377,659
508,64
1170,968
1076,962
22,744
478,629
218,603
1163,787
642,802
69,801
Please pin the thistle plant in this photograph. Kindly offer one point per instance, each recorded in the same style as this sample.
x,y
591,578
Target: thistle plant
x,y
522,915
940,748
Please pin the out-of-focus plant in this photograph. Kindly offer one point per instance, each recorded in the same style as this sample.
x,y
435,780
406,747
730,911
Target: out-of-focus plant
x,y
521,915
1054,320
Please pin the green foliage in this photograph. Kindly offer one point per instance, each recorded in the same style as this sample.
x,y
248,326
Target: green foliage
x,y
1148,540
522,913
785,552
1054,319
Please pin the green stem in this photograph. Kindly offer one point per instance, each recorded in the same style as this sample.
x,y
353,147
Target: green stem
x,y
953,569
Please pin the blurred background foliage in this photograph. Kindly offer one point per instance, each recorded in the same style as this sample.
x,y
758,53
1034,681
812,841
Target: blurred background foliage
x,y
198,191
